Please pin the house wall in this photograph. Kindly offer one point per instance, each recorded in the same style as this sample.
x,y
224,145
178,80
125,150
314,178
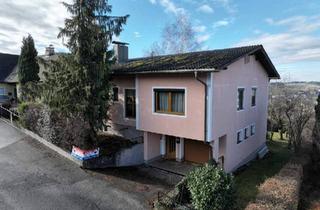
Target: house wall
x,y
117,110
227,120
191,125
9,88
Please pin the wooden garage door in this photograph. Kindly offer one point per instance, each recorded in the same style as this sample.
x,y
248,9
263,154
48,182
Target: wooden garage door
x,y
196,151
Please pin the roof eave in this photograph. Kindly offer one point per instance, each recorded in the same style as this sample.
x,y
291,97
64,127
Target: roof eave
x,y
275,74
165,71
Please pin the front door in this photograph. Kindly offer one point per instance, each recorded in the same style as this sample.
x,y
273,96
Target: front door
x,y
170,147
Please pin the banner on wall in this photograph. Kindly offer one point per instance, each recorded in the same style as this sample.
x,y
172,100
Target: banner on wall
x,y
81,154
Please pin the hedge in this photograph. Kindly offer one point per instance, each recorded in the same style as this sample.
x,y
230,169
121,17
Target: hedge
x,y
54,127
280,191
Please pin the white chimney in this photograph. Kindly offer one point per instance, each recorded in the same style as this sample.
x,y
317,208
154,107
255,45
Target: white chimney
x,y
49,50
121,51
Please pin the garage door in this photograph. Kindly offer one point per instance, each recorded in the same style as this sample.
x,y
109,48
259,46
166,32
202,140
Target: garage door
x,y
196,151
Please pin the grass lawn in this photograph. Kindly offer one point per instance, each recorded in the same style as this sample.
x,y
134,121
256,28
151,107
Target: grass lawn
x,y
248,181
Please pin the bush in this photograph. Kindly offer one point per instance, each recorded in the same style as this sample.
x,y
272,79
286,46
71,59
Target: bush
x,y
54,127
211,188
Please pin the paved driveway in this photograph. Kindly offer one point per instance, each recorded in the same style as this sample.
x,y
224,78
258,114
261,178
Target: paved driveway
x,y
34,177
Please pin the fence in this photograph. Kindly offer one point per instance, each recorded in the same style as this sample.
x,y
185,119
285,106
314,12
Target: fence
x,y
8,114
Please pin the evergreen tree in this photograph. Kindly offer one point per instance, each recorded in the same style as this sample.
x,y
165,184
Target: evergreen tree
x,y
81,79
316,129
28,65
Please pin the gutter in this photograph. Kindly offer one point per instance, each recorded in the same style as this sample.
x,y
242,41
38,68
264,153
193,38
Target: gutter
x,y
205,104
116,72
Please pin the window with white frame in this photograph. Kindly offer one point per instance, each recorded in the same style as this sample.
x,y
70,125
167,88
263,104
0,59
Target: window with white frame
x,y
239,136
246,133
169,101
2,91
253,96
253,129
240,99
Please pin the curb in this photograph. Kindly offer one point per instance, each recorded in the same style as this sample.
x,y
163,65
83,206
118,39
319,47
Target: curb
x,y
51,146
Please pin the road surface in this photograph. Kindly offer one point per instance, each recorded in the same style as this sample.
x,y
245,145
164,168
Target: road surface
x,y
33,177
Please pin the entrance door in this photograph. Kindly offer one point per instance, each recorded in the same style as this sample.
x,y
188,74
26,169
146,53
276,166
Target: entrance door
x,y
170,147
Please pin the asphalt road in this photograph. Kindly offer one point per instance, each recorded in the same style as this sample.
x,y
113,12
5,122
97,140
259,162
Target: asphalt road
x,y
33,177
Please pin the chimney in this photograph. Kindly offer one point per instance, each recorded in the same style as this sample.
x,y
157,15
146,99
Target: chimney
x,y
121,51
49,50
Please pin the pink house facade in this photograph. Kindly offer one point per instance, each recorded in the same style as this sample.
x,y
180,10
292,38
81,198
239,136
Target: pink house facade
x,y
195,106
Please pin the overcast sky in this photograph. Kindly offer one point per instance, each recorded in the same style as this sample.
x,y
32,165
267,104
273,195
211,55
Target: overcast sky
x,y
288,29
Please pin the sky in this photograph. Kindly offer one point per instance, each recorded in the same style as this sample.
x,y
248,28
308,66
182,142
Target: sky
x,y
288,29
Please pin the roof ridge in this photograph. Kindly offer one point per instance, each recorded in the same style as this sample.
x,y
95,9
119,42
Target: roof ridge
x,y
8,54
194,52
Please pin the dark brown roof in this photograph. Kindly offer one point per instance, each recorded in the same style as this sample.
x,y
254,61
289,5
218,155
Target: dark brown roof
x,y
199,61
8,63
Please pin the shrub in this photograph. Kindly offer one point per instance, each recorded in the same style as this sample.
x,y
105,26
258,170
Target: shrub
x,y
54,127
22,107
211,188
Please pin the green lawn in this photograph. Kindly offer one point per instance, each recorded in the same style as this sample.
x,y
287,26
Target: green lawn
x,y
248,181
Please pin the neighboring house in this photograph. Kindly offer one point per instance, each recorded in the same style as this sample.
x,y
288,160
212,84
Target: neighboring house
x,y
8,65
194,106
11,79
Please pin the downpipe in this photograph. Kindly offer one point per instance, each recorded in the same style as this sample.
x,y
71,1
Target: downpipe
x,y
205,104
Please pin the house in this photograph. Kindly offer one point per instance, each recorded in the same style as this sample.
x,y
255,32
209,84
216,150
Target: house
x,y
194,106
9,81
8,65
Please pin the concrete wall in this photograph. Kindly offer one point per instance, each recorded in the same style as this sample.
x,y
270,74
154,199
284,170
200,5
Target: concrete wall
x,y
227,120
151,146
191,125
131,156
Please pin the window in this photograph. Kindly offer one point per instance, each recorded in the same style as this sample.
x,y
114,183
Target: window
x,y
170,101
246,133
253,129
2,91
115,94
253,96
240,99
239,137
130,103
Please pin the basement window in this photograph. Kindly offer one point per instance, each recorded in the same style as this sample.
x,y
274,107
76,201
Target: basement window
x,y
246,133
253,129
239,136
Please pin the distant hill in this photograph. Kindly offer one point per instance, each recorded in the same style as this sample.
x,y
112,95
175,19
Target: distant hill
x,y
310,89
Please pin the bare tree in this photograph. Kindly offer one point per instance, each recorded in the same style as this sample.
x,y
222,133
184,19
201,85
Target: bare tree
x,y
177,37
276,115
298,110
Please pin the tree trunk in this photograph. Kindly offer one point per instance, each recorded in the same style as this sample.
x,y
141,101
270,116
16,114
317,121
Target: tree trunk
x,y
271,135
281,134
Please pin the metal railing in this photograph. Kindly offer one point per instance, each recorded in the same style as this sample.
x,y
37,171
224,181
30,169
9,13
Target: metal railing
x,y
7,113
